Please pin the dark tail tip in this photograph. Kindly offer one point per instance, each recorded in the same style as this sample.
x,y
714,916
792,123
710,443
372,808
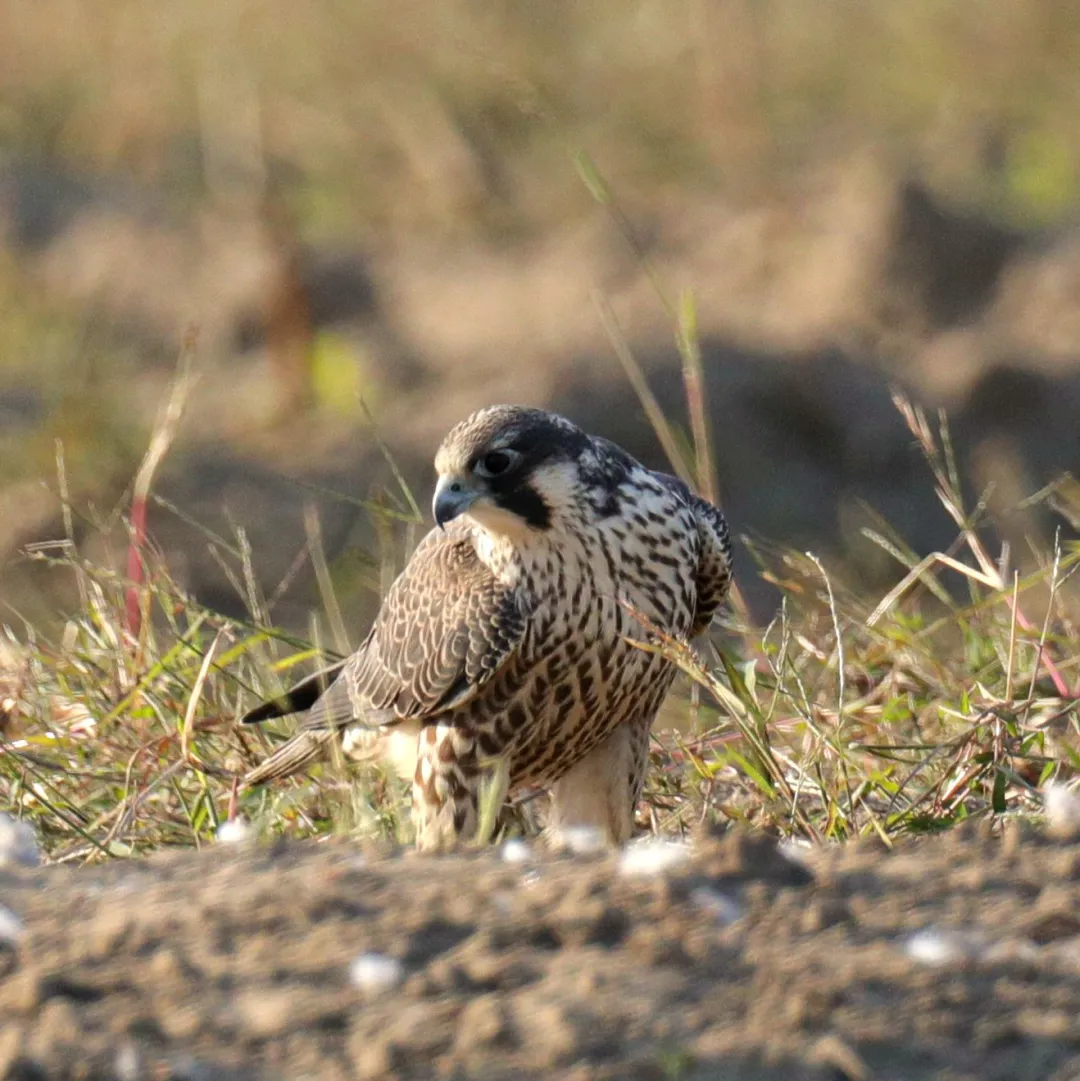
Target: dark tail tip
x,y
265,711
297,700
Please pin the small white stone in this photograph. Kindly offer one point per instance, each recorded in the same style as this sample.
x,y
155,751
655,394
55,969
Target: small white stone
x,y
531,878
1062,809
126,1063
726,909
18,846
796,850
581,840
11,927
374,973
1067,952
516,851
234,831
935,946
653,856
503,903
1010,951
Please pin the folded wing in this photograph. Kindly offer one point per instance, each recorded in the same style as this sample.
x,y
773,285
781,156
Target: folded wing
x,y
446,626
712,578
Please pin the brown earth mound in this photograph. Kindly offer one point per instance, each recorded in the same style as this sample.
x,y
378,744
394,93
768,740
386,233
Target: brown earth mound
x,y
953,957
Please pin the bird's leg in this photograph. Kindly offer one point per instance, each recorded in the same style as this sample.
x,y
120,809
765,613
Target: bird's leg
x,y
445,788
602,789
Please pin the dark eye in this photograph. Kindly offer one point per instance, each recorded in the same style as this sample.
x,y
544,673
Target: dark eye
x,y
496,462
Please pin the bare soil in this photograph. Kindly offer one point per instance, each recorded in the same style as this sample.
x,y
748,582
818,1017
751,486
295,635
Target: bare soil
x,y
954,957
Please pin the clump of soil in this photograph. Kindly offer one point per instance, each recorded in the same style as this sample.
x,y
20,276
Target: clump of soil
x,y
954,957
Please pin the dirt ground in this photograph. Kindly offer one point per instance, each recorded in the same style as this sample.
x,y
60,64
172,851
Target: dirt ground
x,y
955,957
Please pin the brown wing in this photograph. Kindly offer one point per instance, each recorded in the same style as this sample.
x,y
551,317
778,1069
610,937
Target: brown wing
x,y
713,576
444,628
714,562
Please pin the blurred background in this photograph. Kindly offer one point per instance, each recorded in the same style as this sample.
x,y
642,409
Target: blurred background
x,y
398,203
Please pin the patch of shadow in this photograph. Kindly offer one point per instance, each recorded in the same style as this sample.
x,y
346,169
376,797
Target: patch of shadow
x,y
949,259
339,287
62,987
185,1067
436,937
148,1031
609,930
20,408
337,908
544,938
25,1069
40,200
1008,396
221,493
334,288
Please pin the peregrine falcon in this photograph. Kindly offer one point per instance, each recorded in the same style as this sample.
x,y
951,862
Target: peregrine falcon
x,y
503,645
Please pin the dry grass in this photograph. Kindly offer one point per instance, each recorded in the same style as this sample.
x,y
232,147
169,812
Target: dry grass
x,y
952,696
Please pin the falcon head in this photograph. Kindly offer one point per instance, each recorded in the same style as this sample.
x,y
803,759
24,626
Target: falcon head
x,y
513,469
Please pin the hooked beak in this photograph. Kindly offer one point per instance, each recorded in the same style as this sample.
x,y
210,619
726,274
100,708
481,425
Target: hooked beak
x,y
453,497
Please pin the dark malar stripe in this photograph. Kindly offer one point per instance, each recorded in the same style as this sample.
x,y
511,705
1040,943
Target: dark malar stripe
x,y
527,505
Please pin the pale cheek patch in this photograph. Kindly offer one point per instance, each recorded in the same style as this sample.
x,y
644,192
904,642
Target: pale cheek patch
x,y
498,522
558,485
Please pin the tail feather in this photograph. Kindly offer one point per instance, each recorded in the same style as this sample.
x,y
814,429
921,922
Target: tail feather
x,y
297,699
300,751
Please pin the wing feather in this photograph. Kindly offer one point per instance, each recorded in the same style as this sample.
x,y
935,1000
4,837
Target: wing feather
x,y
713,575
714,562
445,627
